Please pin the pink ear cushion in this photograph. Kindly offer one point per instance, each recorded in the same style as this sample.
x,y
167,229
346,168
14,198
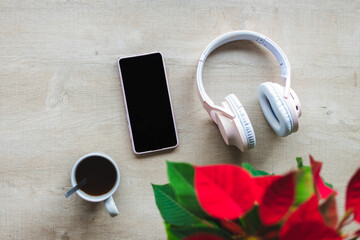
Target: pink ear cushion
x,y
243,118
275,110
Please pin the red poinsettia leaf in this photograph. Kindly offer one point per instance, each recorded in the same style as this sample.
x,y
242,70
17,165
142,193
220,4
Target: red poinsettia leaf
x,y
263,183
309,230
277,199
322,191
225,191
308,211
270,235
329,212
203,236
357,233
307,223
353,195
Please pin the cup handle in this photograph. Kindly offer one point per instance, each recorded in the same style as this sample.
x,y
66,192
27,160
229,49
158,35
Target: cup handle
x,y
111,207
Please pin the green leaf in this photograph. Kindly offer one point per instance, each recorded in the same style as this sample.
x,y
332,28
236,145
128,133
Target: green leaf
x,y
305,185
299,162
254,172
182,232
252,225
170,209
181,177
170,235
251,222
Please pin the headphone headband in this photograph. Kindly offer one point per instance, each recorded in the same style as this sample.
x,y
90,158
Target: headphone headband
x,y
235,36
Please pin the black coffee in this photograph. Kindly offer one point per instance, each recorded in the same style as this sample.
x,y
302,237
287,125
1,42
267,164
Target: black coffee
x,y
100,175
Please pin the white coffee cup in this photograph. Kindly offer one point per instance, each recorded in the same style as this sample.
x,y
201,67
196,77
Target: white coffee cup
x,y
107,197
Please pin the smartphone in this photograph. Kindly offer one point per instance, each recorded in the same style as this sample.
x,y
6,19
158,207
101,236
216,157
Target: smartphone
x,y
148,104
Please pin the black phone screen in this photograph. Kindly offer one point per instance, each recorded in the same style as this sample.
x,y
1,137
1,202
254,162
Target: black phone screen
x,y
148,103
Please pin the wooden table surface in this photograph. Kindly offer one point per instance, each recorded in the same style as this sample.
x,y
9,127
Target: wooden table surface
x,y
60,98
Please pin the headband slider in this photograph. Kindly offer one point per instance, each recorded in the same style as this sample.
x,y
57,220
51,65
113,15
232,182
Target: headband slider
x,y
261,40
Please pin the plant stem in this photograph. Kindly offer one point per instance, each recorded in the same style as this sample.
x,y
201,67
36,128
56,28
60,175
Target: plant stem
x,y
207,223
344,221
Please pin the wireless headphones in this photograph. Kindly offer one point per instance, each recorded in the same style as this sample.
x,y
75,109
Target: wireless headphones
x,y
280,105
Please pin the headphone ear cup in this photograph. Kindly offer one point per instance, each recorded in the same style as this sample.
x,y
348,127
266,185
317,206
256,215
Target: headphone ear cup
x,y
238,131
275,109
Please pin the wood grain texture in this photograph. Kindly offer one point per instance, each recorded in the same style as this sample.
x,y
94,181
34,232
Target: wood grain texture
x,y
60,98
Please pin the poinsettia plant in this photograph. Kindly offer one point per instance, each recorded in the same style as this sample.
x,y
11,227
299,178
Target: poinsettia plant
x,y
221,202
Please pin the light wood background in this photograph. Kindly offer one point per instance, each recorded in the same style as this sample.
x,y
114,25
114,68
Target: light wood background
x,y
60,98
